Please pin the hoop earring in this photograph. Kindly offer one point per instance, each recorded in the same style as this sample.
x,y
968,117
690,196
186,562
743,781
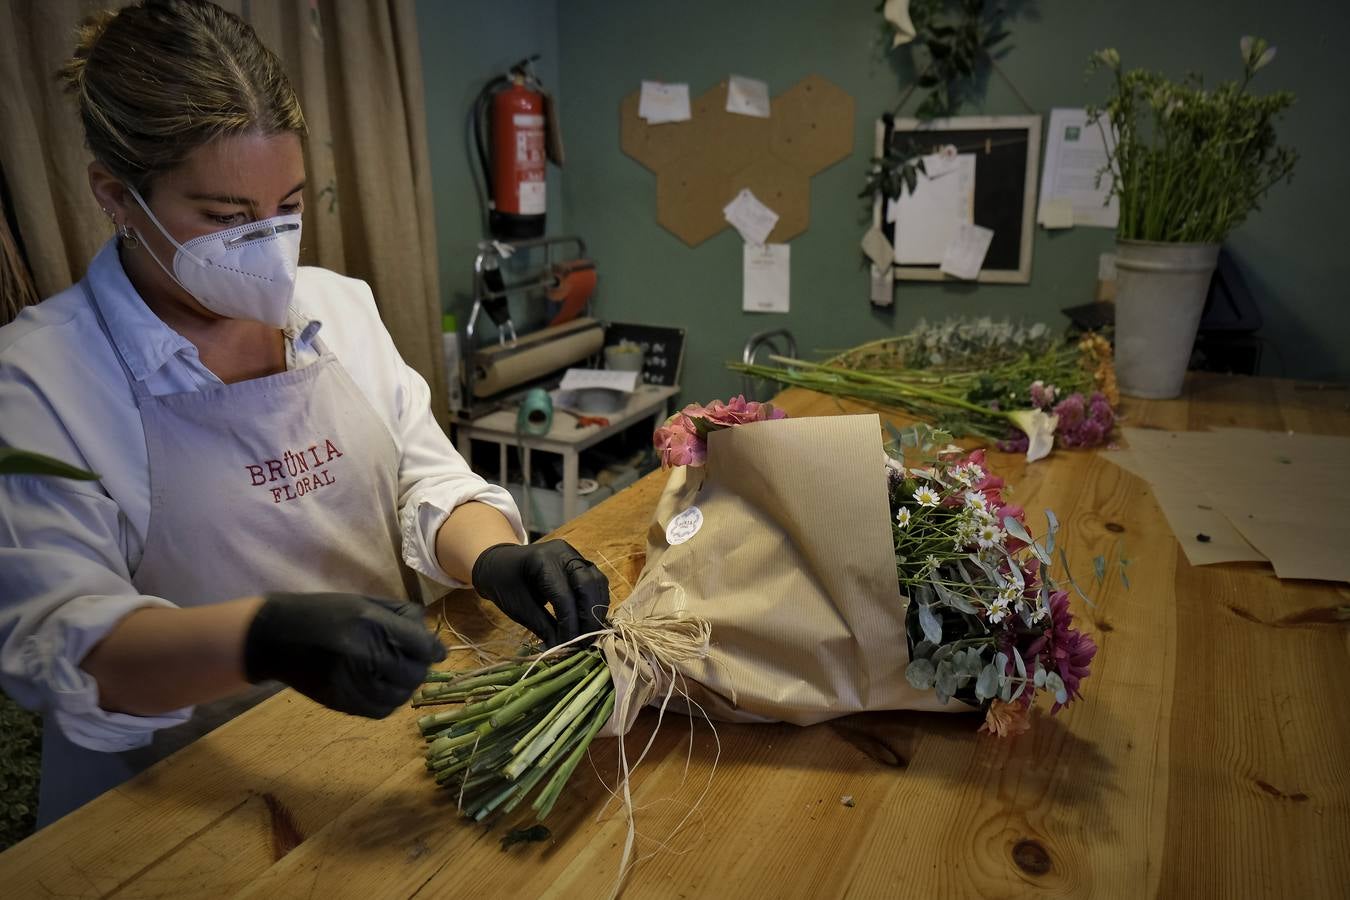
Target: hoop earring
x,y
127,236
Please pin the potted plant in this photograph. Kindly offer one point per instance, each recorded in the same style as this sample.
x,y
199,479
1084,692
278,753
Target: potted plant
x,y
1188,165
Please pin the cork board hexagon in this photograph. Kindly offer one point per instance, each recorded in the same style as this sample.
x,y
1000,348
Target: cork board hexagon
x,y
783,188
701,164
655,145
689,198
813,124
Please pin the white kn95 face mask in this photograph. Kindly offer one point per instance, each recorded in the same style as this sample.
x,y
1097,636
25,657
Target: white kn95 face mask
x,y
244,272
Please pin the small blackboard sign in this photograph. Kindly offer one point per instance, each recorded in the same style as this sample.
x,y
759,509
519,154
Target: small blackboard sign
x,y
662,349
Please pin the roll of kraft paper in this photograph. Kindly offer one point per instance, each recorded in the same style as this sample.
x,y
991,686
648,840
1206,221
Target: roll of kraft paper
x,y
576,284
536,413
536,355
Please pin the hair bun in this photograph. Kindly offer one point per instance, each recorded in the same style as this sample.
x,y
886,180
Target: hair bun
x,y
86,38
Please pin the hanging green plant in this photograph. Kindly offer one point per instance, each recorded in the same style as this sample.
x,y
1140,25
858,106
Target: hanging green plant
x,y
951,42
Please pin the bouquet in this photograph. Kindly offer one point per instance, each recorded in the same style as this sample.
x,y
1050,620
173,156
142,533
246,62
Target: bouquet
x,y
1019,385
795,572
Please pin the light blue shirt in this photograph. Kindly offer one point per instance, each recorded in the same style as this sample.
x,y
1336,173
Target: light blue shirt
x,y
68,548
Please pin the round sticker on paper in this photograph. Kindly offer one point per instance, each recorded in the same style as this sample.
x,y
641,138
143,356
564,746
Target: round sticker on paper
x,y
684,526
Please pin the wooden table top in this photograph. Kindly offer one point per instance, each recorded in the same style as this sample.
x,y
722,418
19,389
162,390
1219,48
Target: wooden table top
x,y
1210,758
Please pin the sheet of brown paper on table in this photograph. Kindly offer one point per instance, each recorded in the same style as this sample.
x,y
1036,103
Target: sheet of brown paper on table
x,y
1205,534
1293,551
794,567
1284,493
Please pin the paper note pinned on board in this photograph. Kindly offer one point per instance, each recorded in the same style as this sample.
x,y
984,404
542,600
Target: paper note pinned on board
x,y
751,218
877,248
927,217
1056,214
582,379
767,276
965,254
1076,152
661,103
944,162
748,97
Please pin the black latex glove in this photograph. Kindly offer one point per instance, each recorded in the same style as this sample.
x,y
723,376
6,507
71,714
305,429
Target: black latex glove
x,y
358,655
524,580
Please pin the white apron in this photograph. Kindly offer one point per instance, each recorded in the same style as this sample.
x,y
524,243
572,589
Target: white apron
x,y
282,483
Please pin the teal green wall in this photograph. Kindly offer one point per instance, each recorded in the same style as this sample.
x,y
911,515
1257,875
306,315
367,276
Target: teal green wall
x,y
1292,251
464,45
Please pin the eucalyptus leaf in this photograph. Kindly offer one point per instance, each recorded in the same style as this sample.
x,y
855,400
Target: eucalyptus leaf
x,y
1055,685
1051,531
922,650
1039,678
931,624
1019,664
26,462
1099,567
943,652
897,436
920,674
946,679
953,599
1021,687
987,685
1005,692
1001,663
1068,575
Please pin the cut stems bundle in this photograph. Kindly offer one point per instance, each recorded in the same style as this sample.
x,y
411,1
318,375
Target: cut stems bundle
x,y
929,398
521,724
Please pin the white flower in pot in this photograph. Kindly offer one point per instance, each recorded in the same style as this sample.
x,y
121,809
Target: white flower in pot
x,y
1188,165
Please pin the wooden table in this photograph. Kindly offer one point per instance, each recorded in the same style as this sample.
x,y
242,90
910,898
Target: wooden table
x,y
1209,759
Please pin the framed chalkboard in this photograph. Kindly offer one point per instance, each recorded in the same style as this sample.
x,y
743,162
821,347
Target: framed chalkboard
x,y
1006,151
662,349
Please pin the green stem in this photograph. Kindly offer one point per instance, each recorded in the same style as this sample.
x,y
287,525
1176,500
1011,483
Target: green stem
x,y
543,804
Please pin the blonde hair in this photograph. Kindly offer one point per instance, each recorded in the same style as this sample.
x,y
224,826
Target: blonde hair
x,y
158,79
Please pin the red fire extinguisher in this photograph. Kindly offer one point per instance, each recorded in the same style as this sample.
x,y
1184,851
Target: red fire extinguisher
x,y
516,114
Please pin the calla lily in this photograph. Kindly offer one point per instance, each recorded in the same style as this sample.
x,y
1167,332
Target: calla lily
x,y
897,13
1256,53
1040,431
1110,56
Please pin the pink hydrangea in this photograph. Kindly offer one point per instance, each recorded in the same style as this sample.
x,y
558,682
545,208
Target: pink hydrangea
x,y
682,441
679,444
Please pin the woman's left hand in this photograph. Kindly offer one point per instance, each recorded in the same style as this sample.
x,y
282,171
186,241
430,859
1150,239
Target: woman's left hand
x,y
524,580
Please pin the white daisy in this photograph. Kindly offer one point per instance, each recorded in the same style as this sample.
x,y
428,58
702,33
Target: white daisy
x,y
902,517
976,500
1041,612
989,535
1011,593
925,496
998,610
963,476
931,562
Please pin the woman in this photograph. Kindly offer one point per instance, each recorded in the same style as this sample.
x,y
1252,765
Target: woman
x,y
272,481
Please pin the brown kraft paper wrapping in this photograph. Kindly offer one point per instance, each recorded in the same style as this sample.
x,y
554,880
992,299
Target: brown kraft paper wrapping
x,y
793,566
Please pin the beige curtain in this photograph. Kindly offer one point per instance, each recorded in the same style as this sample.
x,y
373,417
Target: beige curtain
x,y
357,68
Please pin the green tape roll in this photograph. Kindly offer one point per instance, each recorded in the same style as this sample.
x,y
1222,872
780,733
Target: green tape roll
x,y
536,413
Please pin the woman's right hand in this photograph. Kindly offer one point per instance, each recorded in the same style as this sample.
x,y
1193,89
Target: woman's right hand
x,y
355,654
